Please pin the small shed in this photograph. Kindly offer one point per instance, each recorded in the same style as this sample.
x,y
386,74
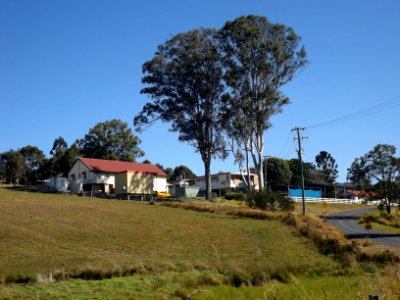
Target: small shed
x,y
58,184
187,191
308,193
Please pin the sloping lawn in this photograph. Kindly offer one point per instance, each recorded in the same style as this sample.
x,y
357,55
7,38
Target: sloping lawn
x,y
174,254
195,284
42,233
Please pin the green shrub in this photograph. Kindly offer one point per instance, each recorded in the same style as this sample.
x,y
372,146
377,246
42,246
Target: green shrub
x,y
386,257
238,278
235,196
209,279
181,293
269,200
19,279
258,278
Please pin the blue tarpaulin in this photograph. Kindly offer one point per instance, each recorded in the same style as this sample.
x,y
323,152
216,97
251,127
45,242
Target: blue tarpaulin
x,y
308,193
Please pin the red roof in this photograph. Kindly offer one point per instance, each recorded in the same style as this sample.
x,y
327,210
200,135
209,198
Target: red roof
x,y
361,193
112,166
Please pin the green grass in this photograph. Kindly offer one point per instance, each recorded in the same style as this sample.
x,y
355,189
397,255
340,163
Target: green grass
x,y
381,222
40,233
133,287
172,252
385,228
323,209
327,287
208,285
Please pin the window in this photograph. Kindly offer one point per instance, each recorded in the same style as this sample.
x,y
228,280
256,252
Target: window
x,y
84,175
72,176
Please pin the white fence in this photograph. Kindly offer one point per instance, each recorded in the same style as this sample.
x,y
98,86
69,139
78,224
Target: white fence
x,y
326,200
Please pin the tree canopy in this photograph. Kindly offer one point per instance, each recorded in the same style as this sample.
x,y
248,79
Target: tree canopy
x,y
381,165
260,57
184,81
182,172
278,171
308,169
59,144
13,166
35,161
327,167
357,173
111,140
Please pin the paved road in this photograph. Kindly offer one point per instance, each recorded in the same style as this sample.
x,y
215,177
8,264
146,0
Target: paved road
x,y
347,222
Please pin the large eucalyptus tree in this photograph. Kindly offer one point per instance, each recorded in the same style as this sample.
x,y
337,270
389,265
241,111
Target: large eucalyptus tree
x,y
259,58
184,81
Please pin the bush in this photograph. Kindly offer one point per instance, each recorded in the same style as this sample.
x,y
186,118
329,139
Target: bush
x,y
269,200
386,257
235,196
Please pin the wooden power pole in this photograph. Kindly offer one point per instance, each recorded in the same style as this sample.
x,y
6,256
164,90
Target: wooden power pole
x,y
299,151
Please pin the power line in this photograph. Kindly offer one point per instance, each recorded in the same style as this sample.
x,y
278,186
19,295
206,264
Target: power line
x,y
377,108
286,143
289,150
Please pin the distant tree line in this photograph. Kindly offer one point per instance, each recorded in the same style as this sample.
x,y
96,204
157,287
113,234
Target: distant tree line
x,y
178,173
377,171
111,140
288,172
106,140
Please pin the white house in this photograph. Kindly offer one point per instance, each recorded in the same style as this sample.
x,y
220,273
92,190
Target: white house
x,y
227,182
107,176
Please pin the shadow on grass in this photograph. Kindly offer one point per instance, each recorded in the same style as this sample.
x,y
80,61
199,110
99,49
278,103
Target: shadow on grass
x,y
371,235
341,217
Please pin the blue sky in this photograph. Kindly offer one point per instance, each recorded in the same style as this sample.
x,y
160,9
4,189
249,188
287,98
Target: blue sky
x,y
66,65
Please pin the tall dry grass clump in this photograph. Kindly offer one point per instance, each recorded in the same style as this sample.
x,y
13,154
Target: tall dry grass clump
x,y
327,238
45,278
241,212
392,282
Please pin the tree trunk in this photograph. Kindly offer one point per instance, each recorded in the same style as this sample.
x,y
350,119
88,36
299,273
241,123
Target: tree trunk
x,y
207,167
388,208
260,171
257,159
249,185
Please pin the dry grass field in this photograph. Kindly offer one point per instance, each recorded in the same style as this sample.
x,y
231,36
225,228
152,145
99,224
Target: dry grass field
x,y
323,209
40,233
172,253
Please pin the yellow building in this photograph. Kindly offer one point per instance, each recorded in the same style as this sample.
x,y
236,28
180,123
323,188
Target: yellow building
x,y
93,176
131,182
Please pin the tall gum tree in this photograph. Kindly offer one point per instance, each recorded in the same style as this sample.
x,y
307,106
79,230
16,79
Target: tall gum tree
x,y
184,81
259,58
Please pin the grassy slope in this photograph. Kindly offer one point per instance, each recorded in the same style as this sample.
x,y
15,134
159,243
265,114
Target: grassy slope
x,y
40,233
173,285
323,209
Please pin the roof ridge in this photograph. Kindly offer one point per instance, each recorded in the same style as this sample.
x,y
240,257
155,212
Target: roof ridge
x,y
116,166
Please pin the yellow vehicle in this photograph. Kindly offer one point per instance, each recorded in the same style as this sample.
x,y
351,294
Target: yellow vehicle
x,y
162,195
